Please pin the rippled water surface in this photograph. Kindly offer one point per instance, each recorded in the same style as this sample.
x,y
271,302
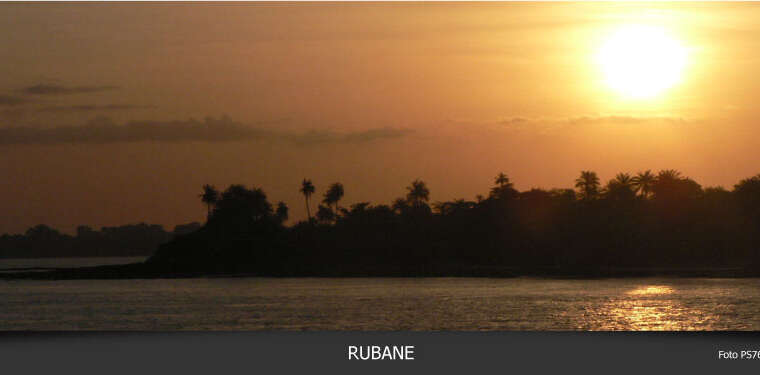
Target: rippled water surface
x,y
382,304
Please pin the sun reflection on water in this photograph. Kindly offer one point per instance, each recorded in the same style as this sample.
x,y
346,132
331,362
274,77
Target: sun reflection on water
x,y
650,290
651,308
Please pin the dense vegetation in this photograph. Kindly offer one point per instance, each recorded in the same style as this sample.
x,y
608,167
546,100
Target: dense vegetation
x,y
126,240
646,221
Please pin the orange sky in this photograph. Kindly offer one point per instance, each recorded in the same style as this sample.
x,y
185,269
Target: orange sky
x,y
372,95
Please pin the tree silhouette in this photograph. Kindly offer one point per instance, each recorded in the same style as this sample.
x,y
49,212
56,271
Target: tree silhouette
x,y
672,226
282,211
621,187
325,214
643,182
502,180
588,184
504,188
624,179
42,231
400,205
670,186
333,196
453,208
307,189
417,193
634,225
210,197
241,203
747,192
668,175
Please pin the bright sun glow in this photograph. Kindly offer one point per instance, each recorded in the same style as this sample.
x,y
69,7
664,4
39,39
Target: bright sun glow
x,y
641,61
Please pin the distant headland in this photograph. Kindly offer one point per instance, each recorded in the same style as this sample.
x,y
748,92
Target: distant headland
x,y
42,241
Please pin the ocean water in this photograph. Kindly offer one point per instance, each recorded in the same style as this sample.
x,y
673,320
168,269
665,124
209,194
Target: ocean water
x,y
21,263
472,304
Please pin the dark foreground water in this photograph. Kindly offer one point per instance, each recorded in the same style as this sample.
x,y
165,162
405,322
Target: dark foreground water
x,y
381,304
12,264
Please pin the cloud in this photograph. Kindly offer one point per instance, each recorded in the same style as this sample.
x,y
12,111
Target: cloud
x,y
6,100
52,89
550,124
624,120
317,137
374,134
92,107
103,130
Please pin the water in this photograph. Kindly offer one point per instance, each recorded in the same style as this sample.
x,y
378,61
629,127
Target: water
x,y
20,263
381,304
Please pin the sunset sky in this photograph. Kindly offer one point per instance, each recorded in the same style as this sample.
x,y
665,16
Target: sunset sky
x,y
118,113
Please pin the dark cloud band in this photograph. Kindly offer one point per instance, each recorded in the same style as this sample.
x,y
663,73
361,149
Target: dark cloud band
x,y
104,130
6,100
92,108
47,89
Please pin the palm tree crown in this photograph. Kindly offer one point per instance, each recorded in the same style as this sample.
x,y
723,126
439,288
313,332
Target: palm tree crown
x,y
209,196
668,175
643,182
333,195
621,187
418,193
624,179
307,189
588,184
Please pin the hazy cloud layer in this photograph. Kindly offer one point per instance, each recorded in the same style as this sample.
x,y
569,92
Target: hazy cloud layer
x,y
91,108
625,120
593,120
104,130
52,89
316,137
549,124
6,100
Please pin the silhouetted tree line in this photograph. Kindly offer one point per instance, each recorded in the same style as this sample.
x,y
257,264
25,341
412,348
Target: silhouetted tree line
x,y
126,240
642,221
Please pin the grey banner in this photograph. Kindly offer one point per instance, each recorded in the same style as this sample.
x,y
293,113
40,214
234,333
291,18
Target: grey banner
x,y
327,352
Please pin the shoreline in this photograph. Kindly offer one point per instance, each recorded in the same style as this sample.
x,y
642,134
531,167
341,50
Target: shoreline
x,y
148,271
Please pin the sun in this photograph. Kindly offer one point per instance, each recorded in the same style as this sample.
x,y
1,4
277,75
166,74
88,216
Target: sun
x,y
640,61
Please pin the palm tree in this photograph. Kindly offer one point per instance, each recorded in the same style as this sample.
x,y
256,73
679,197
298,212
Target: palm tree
x,y
624,180
588,184
307,189
209,196
668,175
643,182
670,185
418,193
333,195
621,187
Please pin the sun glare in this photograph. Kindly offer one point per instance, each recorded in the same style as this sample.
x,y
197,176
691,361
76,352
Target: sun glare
x,y
640,61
